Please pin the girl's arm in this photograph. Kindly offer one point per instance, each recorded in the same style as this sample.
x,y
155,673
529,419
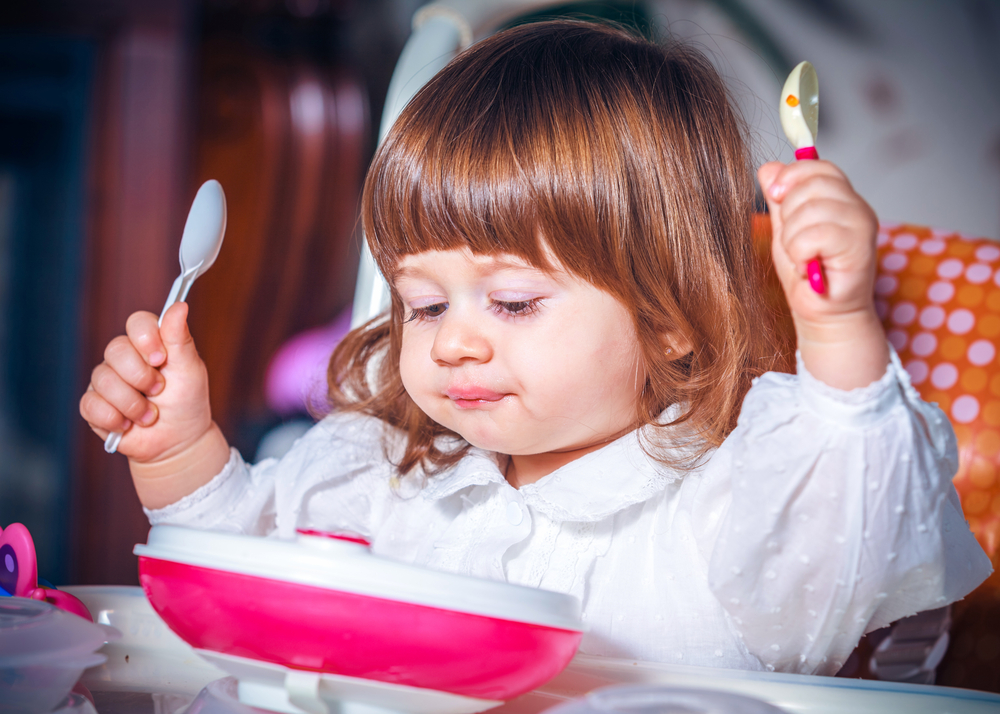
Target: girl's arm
x,y
838,513
335,477
827,514
815,212
153,386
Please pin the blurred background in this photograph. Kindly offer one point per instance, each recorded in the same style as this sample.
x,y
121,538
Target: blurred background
x,y
112,113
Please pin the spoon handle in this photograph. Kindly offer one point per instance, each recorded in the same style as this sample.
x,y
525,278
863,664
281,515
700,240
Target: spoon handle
x,y
814,270
178,292
111,443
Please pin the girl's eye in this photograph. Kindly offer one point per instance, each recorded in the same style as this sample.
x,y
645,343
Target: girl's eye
x,y
519,308
427,312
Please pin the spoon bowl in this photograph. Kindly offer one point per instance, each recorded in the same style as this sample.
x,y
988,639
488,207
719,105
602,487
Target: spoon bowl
x,y
204,229
201,241
799,106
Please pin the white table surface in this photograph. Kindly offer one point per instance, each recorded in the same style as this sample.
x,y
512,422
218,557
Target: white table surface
x,y
152,670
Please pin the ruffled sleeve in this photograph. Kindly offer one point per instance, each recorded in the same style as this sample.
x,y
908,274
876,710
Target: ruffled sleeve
x,y
334,478
834,515
239,499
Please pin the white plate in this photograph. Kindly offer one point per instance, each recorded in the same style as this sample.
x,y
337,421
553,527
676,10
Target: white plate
x,y
791,692
149,657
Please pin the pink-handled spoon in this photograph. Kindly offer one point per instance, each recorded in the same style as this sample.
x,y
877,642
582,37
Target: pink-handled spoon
x,y
799,113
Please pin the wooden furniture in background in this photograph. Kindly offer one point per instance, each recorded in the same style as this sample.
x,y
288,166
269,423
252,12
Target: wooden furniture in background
x,y
288,139
139,175
289,143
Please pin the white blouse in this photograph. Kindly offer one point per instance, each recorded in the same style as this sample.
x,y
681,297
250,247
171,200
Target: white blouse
x,y
825,514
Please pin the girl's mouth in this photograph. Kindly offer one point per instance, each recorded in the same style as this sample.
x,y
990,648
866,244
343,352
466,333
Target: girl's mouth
x,y
473,397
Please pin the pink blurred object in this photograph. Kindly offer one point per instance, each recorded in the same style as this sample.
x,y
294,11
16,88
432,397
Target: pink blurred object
x,y
19,572
19,578
329,605
296,378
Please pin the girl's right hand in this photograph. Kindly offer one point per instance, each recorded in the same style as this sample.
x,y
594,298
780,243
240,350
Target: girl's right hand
x,y
153,386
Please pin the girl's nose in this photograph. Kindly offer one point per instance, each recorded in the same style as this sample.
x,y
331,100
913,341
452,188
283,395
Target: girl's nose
x,y
459,339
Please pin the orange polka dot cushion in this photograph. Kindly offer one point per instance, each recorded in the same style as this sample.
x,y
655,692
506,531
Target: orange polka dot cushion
x,y
939,298
938,294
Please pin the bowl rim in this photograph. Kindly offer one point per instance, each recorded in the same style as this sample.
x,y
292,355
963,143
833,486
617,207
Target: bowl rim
x,y
352,567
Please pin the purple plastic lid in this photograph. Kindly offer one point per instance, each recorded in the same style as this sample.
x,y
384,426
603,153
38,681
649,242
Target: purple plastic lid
x,y
34,631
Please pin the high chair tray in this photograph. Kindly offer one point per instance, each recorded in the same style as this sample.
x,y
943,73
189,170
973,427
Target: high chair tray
x,y
153,660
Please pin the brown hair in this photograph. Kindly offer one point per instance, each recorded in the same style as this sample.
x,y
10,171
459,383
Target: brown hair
x,y
622,156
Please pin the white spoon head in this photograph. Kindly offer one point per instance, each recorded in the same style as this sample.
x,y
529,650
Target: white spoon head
x,y
799,106
205,228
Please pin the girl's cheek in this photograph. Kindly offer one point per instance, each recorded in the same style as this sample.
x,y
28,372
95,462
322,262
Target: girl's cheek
x,y
406,363
415,358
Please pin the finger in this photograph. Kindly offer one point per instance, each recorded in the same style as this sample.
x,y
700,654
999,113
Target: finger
x,y
122,356
101,416
818,187
808,243
798,172
817,211
773,187
103,433
845,262
850,225
810,234
123,397
767,175
144,332
181,350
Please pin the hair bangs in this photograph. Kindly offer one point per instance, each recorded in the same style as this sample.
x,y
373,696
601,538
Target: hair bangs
x,y
521,157
445,183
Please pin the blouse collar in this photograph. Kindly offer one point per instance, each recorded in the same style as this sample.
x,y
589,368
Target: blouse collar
x,y
591,488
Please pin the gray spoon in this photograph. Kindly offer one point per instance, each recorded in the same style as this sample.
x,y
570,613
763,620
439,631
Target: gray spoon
x,y
200,245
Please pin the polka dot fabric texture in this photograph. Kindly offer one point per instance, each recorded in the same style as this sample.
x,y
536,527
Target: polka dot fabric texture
x,y
938,294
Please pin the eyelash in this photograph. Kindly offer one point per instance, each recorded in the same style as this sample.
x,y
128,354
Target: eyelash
x,y
420,314
517,308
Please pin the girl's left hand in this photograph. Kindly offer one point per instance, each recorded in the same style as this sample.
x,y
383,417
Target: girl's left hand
x,y
815,213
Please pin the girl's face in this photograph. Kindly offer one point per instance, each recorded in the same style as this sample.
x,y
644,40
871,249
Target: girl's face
x,y
514,359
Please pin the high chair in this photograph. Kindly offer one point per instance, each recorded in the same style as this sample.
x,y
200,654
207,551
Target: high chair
x,y
938,294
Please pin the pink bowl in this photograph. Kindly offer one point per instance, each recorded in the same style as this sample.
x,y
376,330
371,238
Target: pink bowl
x,y
331,606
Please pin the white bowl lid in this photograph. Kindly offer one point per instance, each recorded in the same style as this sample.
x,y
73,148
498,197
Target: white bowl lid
x,y
351,567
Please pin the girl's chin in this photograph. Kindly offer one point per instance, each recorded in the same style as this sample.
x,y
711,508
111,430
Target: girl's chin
x,y
487,443
493,440
519,439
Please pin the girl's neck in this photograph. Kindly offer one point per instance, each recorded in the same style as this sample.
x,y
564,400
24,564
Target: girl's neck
x,y
528,468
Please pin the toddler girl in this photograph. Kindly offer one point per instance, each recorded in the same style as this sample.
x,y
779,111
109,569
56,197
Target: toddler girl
x,y
560,395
